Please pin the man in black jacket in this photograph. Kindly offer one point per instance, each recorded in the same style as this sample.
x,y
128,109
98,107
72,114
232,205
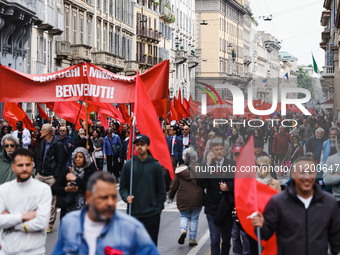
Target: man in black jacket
x,y
50,163
219,200
304,217
148,189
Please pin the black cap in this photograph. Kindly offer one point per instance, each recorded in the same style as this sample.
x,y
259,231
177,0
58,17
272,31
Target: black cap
x,y
142,138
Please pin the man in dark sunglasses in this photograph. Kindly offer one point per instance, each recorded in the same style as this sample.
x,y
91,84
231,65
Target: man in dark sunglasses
x,y
10,143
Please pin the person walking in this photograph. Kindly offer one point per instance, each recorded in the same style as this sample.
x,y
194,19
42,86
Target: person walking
x,y
189,197
10,143
50,164
148,188
25,205
112,150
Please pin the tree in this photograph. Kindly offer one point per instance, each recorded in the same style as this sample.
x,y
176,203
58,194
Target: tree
x,y
305,81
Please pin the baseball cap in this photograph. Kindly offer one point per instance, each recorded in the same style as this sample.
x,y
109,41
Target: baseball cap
x,y
142,138
237,149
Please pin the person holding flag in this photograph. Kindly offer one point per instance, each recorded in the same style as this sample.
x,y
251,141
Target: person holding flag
x,y
148,188
304,217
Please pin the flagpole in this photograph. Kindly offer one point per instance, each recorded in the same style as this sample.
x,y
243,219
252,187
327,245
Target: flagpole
x,y
86,123
132,149
166,115
81,105
259,246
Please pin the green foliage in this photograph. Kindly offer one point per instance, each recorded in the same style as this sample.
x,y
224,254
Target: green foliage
x,y
305,81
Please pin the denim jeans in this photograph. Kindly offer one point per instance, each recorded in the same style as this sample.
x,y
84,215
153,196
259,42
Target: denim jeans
x,y
192,216
241,244
216,232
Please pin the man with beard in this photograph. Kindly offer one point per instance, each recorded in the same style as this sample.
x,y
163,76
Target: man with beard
x,y
329,146
102,228
148,188
10,144
25,205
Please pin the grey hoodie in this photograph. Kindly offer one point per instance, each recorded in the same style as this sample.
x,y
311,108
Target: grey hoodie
x,y
331,174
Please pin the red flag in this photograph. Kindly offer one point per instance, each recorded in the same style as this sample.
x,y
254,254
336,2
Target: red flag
x,y
102,118
160,107
148,124
125,113
174,114
109,110
179,108
131,138
12,113
69,111
251,195
42,113
186,106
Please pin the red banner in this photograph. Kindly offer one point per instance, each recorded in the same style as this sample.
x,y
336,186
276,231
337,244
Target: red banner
x,y
80,82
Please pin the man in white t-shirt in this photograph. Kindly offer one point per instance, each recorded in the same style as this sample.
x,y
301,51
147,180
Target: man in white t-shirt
x,y
99,228
304,217
25,206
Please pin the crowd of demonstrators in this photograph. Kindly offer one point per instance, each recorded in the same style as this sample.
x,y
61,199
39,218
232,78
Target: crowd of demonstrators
x,y
65,159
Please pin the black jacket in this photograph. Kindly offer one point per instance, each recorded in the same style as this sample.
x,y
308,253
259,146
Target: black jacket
x,y
299,230
213,192
58,188
54,161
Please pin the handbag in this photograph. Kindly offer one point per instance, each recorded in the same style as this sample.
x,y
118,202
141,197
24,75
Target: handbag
x,y
116,148
99,154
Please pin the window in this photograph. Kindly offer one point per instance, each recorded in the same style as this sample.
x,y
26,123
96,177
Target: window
x,y
67,26
74,28
41,53
98,37
111,8
105,6
89,31
104,38
81,31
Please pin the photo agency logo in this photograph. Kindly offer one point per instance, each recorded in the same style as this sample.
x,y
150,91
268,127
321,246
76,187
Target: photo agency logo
x,y
238,105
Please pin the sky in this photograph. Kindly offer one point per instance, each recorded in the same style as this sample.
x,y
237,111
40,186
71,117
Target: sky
x,y
296,23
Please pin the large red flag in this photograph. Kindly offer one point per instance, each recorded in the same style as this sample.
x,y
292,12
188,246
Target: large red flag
x,y
251,195
12,113
42,113
125,113
148,124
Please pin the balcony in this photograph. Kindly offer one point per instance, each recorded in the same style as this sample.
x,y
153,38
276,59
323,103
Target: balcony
x,y
148,34
131,66
167,14
325,35
181,57
108,61
328,72
81,52
63,49
325,18
192,61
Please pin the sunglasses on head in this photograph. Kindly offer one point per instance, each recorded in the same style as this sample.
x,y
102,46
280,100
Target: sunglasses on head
x,y
7,145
